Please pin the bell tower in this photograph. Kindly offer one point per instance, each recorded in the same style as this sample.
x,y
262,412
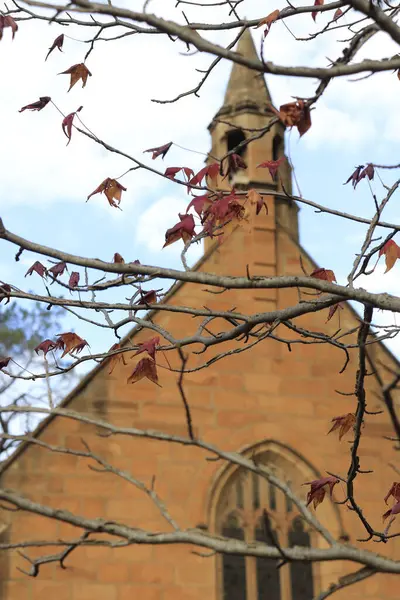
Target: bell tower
x,y
245,113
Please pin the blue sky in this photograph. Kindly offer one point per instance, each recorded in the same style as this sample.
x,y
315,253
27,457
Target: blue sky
x,y
45,183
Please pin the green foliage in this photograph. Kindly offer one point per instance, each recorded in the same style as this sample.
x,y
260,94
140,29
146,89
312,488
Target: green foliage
x,y
23,328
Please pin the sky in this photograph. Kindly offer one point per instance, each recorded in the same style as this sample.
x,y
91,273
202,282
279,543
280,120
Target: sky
x,y
45,183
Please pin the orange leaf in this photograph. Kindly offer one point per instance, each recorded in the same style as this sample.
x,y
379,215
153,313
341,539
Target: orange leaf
x,y
268,21
295,114
392,252
145,368
112,190
77,72
338,13
343,423
70,342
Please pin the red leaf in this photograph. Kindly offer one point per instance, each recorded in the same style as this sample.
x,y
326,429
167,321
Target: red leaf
x,y
316,3
235,162
145,368
77,72
57,269
318,487
148,346
45,347
355,177
159,150
171,172
149,297
324,274
4,360
272,166
74,279
118,258
58,43
343,423
38,105
395,510
112,190
333,309
199,203
394,491
70,342
392,252
7,22
338,13
117,358
38,268
210,171
67,124
257,199
183,230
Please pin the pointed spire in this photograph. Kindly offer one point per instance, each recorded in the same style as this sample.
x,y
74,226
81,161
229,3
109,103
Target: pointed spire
x,y
246,88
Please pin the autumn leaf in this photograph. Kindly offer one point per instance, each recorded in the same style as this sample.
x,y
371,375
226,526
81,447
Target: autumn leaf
x,y
295,114
316,3
58,269
67,124
38,268
318,488
256,199
38,105
271,18
199,203
272,166
148,346
338,14
343,423
45,347
116,358
70,342
77,72
333,309
149,297
7,22
235,162
394,491
324,274
395,510
159,150
184,230
171,172
118,258
392,252
221,211
58,43
74,279
210,171
112,190
146,367
5,292
360,173
4,360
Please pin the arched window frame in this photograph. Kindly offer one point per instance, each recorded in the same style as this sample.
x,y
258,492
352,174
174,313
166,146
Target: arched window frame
x,y
281,457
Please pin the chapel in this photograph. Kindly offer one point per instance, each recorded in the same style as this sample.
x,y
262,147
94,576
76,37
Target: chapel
x,y
274,402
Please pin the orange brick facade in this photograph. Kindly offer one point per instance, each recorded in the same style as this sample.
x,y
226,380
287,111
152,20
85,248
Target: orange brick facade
x,y
266,398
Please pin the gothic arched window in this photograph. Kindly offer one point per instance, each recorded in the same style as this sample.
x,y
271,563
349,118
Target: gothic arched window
x,y
240,516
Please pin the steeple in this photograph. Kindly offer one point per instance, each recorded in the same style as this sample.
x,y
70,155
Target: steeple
x,y
246,89
246,111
